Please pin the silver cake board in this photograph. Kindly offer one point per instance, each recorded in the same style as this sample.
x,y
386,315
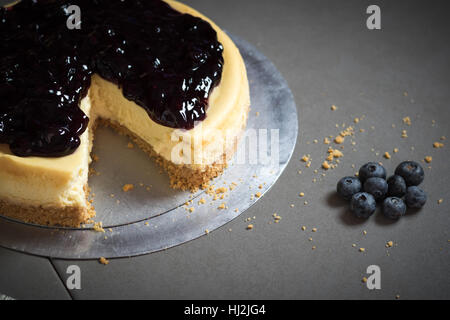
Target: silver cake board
x,y
153,216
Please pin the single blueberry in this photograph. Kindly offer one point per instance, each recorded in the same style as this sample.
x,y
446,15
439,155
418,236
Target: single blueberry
x,y
393,207
348,186
415,197
396,186
363,205
411,171
377,187
371,169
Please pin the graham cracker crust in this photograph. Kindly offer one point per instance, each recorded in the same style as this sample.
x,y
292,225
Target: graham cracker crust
x,y
66,217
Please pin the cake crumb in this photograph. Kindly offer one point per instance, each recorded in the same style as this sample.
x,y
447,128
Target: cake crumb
x,y
258,194
326,140
407,120
314,229
356,120
206,231
387,155
364,279
95,158
438,145
130,145
395,150
276,217
249,227
404,134
301,194
98,227
334,153
303,228
440,201
389,244
221,190
127,187
325,165
333,107
428,159
222,206
305,158
339,139
362,249
103,261
202,201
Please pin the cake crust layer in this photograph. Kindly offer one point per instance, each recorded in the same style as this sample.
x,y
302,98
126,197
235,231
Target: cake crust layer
x,y
48,216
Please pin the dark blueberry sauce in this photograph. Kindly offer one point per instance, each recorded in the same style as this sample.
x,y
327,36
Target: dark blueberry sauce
x,y
165,61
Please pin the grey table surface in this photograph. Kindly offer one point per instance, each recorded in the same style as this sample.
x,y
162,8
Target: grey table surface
x,y
329,57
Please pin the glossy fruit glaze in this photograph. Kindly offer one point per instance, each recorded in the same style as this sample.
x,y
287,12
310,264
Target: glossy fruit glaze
x,y
165,61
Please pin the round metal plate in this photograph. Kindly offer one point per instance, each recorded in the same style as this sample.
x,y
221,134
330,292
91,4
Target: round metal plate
x,y
153,216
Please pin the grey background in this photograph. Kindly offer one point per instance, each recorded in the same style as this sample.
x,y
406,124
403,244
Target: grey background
x,y
328,56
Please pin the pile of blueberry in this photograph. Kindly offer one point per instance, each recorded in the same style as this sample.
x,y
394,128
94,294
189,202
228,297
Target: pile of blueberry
x,y
371,187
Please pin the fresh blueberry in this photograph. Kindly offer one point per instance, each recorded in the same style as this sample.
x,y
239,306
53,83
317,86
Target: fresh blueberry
x,y
415,197
371,169
377,187
397,186
348,186
363,205
393,207
411,171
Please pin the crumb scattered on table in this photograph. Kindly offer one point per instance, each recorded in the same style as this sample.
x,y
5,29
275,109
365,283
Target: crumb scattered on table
x,y
127,187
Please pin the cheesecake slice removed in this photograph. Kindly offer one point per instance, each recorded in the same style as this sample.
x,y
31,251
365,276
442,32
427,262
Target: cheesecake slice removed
x,y
52,189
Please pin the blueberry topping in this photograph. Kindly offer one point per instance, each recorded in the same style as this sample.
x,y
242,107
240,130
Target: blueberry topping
x,y
371,169
348,186
396,186
393,208
415,197
363,205
411,171
377,187
165,61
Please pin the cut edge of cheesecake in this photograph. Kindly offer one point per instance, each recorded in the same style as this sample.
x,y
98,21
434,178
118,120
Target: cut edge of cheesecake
x,y
73,207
